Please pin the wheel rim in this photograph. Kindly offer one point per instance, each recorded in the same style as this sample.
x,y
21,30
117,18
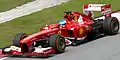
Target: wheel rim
x,y
115,26
61,43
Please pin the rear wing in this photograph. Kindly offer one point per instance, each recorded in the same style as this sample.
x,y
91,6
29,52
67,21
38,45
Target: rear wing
x,y
105,9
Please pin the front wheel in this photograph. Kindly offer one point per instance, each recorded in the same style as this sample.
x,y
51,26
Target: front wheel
x,y
58,43
18,38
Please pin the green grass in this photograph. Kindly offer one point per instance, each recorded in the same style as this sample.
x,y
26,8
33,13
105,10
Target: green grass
x,y
9,4
31,23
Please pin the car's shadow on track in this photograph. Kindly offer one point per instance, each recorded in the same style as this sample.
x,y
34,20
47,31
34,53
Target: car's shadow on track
x,y
41,57
101,36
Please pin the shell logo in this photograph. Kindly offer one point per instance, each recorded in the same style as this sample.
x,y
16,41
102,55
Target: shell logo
x,y
59,32
81,31
13,47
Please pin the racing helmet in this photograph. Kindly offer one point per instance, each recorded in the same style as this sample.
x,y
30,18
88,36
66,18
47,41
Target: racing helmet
x,y
62,22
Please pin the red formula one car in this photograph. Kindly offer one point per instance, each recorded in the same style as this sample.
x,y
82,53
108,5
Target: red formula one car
x,y
75,29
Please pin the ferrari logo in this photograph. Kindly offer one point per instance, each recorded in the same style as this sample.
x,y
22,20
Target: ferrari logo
x,y
81,31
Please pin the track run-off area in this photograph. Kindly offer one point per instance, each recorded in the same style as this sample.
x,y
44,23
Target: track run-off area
x,y
28,8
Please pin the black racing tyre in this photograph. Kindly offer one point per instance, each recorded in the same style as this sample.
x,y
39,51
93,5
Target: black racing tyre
x,y
111,26
17,38
58,43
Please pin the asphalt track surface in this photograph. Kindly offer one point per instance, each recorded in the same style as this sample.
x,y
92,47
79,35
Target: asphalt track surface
x,y
104,48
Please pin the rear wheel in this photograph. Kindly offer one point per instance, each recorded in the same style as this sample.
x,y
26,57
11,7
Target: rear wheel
x,y
111,25
58,43
18,38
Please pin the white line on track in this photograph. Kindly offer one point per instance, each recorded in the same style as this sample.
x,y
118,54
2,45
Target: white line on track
x,y
3,58
28,8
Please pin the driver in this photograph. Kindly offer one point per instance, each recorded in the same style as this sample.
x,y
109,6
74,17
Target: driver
x,y
62,22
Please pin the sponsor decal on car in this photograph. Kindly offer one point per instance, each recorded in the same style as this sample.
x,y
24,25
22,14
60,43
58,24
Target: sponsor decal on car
x,y
59,32
81,31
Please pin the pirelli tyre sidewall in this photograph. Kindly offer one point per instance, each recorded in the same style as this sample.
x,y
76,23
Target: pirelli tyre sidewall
x,y
58,43
18,38
111,26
